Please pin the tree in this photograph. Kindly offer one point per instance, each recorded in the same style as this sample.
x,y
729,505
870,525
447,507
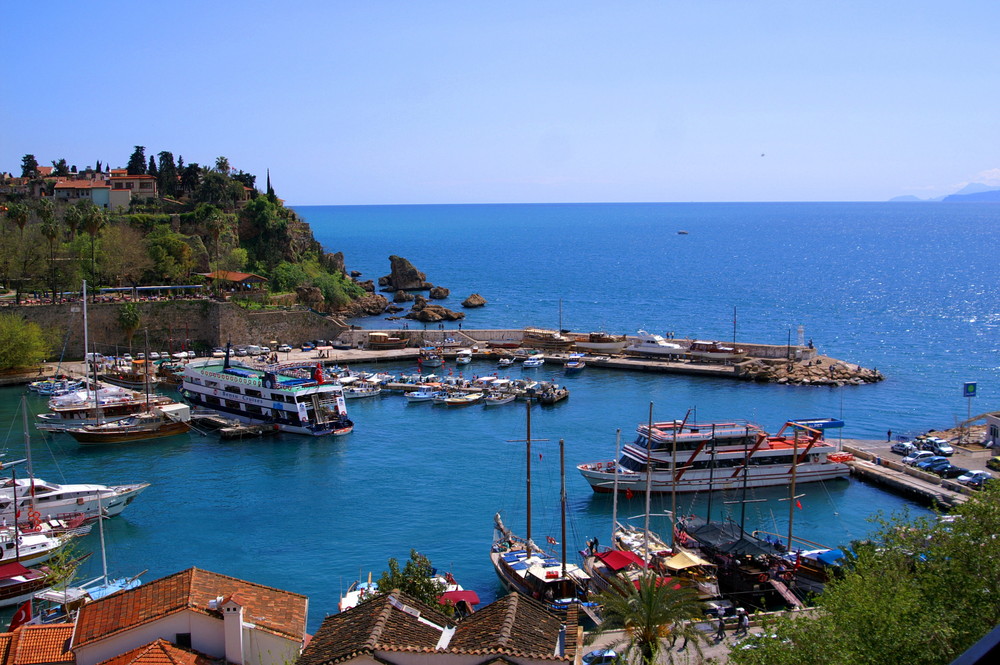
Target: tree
x,y
190,178
49,228
172,257
124,256
98,167
29,167
920,591
649,611
72,169
248,179
222,165
166,177
152,167
129,319
73,218
416,579
137,162
60,168
22,343
218,189
94,219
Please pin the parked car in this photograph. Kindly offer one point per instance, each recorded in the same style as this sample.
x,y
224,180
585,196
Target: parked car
x,y
218,352
981,482
903,448
974,476
950,471
918,456
140,356
601,657
927,442
154,355
940,447
241,350
928,463
127,357
993,463
284,348
307,347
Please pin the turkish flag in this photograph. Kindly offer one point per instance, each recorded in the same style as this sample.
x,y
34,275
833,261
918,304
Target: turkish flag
x,y
21,617
628,493
798,504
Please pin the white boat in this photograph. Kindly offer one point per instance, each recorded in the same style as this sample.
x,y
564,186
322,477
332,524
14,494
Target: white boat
x,y
463,357
295,404
506,361
714,351
423,395
53,501
361,590
654,345
28,549
81,408
496,398
575,363
464,399
718,456
359,389
533,361
602,343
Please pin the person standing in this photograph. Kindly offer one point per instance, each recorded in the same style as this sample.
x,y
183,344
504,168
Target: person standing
x,y
743,620
720,629
888,435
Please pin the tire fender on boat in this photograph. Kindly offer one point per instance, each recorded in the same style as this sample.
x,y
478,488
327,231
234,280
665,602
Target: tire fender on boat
x,y
762,578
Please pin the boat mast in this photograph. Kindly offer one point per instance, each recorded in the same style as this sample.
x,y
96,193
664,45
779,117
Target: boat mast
x,y
673,490
791,493
86,348
27,453
711,480
614,500
649,476
527,460
562,501
146,372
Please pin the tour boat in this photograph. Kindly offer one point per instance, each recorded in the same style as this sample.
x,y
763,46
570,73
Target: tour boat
x,y
94,407
298,405
380,341
54,501
720,456
714,351
654,345
532,362
19,584
602,342
136,377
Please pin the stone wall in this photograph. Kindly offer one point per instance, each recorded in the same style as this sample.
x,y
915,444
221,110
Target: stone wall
x,y
174,325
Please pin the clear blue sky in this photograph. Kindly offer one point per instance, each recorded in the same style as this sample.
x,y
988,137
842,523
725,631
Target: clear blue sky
x,y
461,102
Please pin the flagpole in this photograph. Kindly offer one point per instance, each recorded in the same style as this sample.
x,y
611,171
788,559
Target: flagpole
x,y
792,499
649,476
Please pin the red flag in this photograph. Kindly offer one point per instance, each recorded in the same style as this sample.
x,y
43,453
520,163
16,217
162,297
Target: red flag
x,y
798,504
628,493
539,457
21,617
551,540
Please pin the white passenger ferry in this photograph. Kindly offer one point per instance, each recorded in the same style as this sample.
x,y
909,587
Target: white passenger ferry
x,y
293,400
720,456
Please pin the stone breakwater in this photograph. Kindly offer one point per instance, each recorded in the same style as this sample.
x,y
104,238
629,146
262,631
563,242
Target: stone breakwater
x,y
817,371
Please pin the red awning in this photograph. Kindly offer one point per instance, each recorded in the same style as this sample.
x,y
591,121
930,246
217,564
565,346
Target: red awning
x,y
455,597
660,581
11,569
617,559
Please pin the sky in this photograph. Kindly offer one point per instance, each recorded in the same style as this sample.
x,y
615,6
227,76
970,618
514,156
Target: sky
x,y
383,102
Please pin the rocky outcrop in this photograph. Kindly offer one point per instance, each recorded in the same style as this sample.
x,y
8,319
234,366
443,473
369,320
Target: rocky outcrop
x,y
820,371
334,263
475,300
368,286
439,293
422,311
404,276
355,274
369,305
310,296
403,296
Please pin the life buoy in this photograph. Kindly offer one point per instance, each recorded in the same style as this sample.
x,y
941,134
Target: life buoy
x,y
787,576
599,466
35,516
762,577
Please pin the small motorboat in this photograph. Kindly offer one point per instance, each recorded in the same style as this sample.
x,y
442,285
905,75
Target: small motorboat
x,y
463,400
496,398
575,363
464,357
424,395
506,361
532,362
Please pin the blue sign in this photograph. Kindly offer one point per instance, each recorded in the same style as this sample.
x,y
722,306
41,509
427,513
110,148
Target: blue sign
x,y
969,389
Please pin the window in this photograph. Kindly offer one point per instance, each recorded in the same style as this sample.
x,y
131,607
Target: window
x,y
183,640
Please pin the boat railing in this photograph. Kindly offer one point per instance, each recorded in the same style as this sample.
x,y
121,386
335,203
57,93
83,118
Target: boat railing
x,y
233,378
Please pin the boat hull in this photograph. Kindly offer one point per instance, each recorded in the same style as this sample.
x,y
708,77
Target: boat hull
x,y
128,435
602,480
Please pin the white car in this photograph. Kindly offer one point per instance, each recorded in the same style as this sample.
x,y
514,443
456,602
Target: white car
x,y
973,477
153,355
218,352
284,348
127,357
918,456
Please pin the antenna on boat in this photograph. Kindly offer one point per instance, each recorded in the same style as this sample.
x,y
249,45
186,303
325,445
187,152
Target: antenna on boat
x,y
527,461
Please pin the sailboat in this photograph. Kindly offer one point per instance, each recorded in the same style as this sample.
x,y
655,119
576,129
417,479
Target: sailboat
x,y
525,568
156,422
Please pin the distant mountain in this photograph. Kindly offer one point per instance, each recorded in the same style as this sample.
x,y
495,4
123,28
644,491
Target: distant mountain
x,y
974,191
989,196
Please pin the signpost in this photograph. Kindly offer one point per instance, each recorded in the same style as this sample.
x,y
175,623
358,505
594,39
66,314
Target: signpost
x,y
969,390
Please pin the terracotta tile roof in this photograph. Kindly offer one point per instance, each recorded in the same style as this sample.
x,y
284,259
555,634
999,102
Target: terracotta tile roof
x,y
82,184
5,642
41,644
273,610
514,626
124,176
231,276
44,170
160,652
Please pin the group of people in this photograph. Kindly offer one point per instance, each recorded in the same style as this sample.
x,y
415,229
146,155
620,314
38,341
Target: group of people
x,y
742,624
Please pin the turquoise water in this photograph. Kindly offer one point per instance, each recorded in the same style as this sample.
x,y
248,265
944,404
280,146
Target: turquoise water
x,y
908,289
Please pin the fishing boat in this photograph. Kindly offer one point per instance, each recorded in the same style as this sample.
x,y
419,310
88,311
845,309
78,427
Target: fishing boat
x,y
505,361
525,568
714,351
533,362
272,395
159,422
575,364
135,377
462,399
720,456
497,398
655,346
601,342
541,338
429,357
463,357
422,395
550,394
358,389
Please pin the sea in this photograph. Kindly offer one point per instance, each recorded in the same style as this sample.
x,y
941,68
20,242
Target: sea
x,y
908,288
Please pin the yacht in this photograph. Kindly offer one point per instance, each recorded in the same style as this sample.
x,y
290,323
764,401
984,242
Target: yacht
x,y
654,345
52,501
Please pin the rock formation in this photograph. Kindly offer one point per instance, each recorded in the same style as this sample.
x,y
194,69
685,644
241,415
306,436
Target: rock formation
x,y
820,371
368,305
439,293
422,311
403,296
475,300
310,296
404,276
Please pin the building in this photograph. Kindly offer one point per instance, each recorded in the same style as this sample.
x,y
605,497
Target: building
x,y
216,616
37,645
396,629
138,186
98,191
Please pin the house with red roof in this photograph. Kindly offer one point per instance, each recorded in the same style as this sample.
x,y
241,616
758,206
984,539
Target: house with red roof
x,y
37,645
214,616
397,628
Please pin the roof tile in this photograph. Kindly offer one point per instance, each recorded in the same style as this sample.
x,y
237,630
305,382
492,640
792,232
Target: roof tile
x,y
160,652
41,644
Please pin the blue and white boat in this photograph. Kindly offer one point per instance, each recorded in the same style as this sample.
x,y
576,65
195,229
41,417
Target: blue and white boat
x,y
532,362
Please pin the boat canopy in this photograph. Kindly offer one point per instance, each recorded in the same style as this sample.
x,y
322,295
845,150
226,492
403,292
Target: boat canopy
x,y
456,597
12,569
619,559
683,560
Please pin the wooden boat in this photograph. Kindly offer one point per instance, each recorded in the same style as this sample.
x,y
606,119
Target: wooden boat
x,y
601,342
463,399
19,584
551,394
163,421
380,341
496,398
541,338
714,351
135,377
429,357
524,568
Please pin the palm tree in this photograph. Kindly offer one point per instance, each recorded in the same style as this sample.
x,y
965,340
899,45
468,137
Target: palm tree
x,y
649,610
50,229
73,218
129,318
94,220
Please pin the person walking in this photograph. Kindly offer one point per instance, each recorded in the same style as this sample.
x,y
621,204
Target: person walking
x,y
888,435
720,629
743,620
